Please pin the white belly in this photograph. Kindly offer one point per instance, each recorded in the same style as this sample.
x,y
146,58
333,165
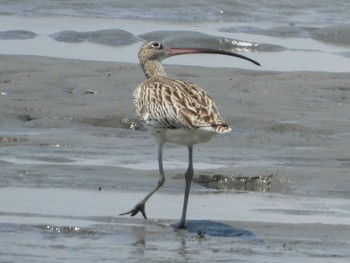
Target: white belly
x,y
184,136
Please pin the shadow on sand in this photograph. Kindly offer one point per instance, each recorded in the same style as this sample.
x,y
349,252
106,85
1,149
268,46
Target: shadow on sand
x,y
217,229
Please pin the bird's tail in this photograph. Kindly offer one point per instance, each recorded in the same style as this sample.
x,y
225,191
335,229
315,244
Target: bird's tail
x,y
221,128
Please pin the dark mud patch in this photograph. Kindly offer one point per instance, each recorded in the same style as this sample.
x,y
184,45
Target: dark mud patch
x,y
109,37
17,34
25,117
6,141
117,121
335,34
204,228
262,183
294,127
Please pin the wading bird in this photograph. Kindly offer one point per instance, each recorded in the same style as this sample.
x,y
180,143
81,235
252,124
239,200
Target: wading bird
x,y
177,111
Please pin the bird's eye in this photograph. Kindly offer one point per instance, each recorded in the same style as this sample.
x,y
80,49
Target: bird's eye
x,y
156,44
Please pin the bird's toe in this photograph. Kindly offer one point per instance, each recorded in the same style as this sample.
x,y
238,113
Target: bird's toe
x,y
140,207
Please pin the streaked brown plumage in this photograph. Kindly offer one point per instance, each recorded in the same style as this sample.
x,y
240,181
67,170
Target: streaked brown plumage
x,y
177,111
170,103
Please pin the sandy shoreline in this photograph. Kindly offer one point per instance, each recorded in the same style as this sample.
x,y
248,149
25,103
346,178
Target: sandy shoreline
x,y
65,124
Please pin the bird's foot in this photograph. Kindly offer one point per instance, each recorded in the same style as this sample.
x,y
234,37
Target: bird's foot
x,y
182,226
139,207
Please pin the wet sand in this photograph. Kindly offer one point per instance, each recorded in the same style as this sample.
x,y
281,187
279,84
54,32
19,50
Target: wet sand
x,y
71,163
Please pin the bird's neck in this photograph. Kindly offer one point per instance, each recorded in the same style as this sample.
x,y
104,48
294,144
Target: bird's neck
x,y
153,68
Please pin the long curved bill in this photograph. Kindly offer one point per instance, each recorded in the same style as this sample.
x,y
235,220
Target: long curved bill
x,y
183,51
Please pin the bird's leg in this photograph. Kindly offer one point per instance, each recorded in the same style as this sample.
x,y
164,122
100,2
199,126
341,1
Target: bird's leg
x,y
188,178
140,206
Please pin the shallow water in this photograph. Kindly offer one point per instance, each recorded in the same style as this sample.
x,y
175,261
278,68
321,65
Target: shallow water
x,y
284,37
61,196
53,224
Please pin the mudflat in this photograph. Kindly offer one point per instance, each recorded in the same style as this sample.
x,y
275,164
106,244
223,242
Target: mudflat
x,y
73,156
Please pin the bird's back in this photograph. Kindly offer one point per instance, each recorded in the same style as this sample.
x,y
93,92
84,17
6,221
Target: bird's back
x,y
172,104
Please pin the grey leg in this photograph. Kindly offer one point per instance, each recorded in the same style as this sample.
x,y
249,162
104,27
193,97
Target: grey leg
x,y
188,178
140,206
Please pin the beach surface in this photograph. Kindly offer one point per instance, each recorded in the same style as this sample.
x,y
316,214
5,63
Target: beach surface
x,y
71,161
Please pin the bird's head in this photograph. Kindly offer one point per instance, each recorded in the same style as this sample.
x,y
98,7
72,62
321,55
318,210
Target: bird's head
x,y
153,50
